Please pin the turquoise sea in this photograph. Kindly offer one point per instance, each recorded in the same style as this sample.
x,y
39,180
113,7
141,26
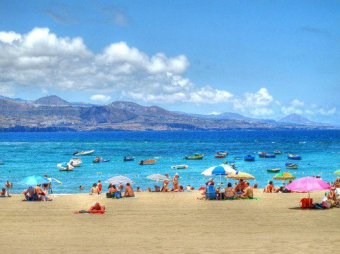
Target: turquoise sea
x,y
30,153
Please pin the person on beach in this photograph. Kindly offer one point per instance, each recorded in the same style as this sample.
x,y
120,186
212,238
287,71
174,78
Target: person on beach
x,y
8,186
81,187
96,209
165,187
157,188
30,194
269,188
337,183
49,184
94,189
138,189
129,191
3,193
240,187
331,197
210,182
229,192
112,189
99,186
247,192
175,182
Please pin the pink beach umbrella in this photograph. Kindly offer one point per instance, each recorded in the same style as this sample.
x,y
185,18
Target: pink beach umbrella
x,y
308,184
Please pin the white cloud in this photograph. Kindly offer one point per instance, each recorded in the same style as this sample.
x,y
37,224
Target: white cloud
x,y
299,107
294,107
41,58
255,104
101,98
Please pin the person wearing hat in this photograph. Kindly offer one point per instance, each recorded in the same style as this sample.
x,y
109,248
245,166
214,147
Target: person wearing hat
x,y
175,182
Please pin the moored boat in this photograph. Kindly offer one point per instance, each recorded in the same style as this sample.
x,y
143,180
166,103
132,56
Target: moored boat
x,y
147,162
65,167
294,157
181,166
129,158
277,152
291,165
249,158
262,154
270,155
89,152
273,170
99,159
196,156
75,162
220,155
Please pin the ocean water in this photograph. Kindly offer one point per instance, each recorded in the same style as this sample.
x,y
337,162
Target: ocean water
x,y
28,154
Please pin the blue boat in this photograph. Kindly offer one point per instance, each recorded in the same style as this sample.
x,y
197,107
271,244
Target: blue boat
x,y
294,157
249,158
270,155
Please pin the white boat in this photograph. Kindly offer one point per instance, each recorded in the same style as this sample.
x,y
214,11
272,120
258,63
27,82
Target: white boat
x,y
65,167
182,166
84,153
75,162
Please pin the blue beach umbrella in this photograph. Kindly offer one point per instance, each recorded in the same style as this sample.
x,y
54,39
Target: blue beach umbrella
x,y
34,180
220,170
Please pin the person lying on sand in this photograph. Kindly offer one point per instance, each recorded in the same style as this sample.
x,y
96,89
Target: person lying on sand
x,y
129,191
96,209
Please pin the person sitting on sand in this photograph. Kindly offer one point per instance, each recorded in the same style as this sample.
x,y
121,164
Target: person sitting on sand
x,y
112,189
337,183
157,188
129,191
181,189
39,192
229,192
165,187
149,189
3,193
30,194
269,188
138,189
121,188
175,182
331,197
247,192
94,189
255,186
240,187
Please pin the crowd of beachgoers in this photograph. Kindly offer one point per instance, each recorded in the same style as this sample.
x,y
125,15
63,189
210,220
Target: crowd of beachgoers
x,y
210,191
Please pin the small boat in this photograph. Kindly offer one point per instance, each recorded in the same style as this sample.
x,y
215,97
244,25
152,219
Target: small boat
x,y
129,158
249,158
75,162
294,157
182,166
277,152
237,158
65,167
262,154
273,170
147,162
84,152
99,159
291,165
270,155
196,156
221,155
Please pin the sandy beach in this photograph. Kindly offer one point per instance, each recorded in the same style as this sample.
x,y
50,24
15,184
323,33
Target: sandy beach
x,y
168,223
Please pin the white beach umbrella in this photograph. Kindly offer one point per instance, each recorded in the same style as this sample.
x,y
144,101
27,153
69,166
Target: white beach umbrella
x,y
117,180
157,177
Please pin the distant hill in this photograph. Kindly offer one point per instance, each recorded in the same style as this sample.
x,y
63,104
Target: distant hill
x,y
51,100
55,114
298,119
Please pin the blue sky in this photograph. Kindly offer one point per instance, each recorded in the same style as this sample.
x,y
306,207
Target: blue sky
x,y
263,59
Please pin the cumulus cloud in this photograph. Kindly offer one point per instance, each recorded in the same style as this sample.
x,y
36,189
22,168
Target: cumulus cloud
x,y
295,107
299,107
101,98
259,103
41,58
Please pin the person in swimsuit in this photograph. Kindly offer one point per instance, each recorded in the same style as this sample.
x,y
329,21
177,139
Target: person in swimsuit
x,y
175,182
165,187
229,192
129,191
94,189
269,188
240,187
99,186
248,192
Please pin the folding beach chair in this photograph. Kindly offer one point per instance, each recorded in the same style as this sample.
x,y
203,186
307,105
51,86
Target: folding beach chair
x,y
210,192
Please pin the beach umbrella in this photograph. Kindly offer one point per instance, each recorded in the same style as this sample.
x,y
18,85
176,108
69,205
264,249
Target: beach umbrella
x,y
222,169
284,176
118,180
337,172
34,180
308,184
241,175
157,177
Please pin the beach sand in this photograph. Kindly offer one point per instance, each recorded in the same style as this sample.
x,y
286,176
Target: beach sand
x,y
168,223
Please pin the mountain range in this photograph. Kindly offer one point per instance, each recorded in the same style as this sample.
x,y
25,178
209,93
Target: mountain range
x,y
52,113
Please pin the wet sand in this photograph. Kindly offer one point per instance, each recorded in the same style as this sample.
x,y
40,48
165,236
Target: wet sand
x,y
168,223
